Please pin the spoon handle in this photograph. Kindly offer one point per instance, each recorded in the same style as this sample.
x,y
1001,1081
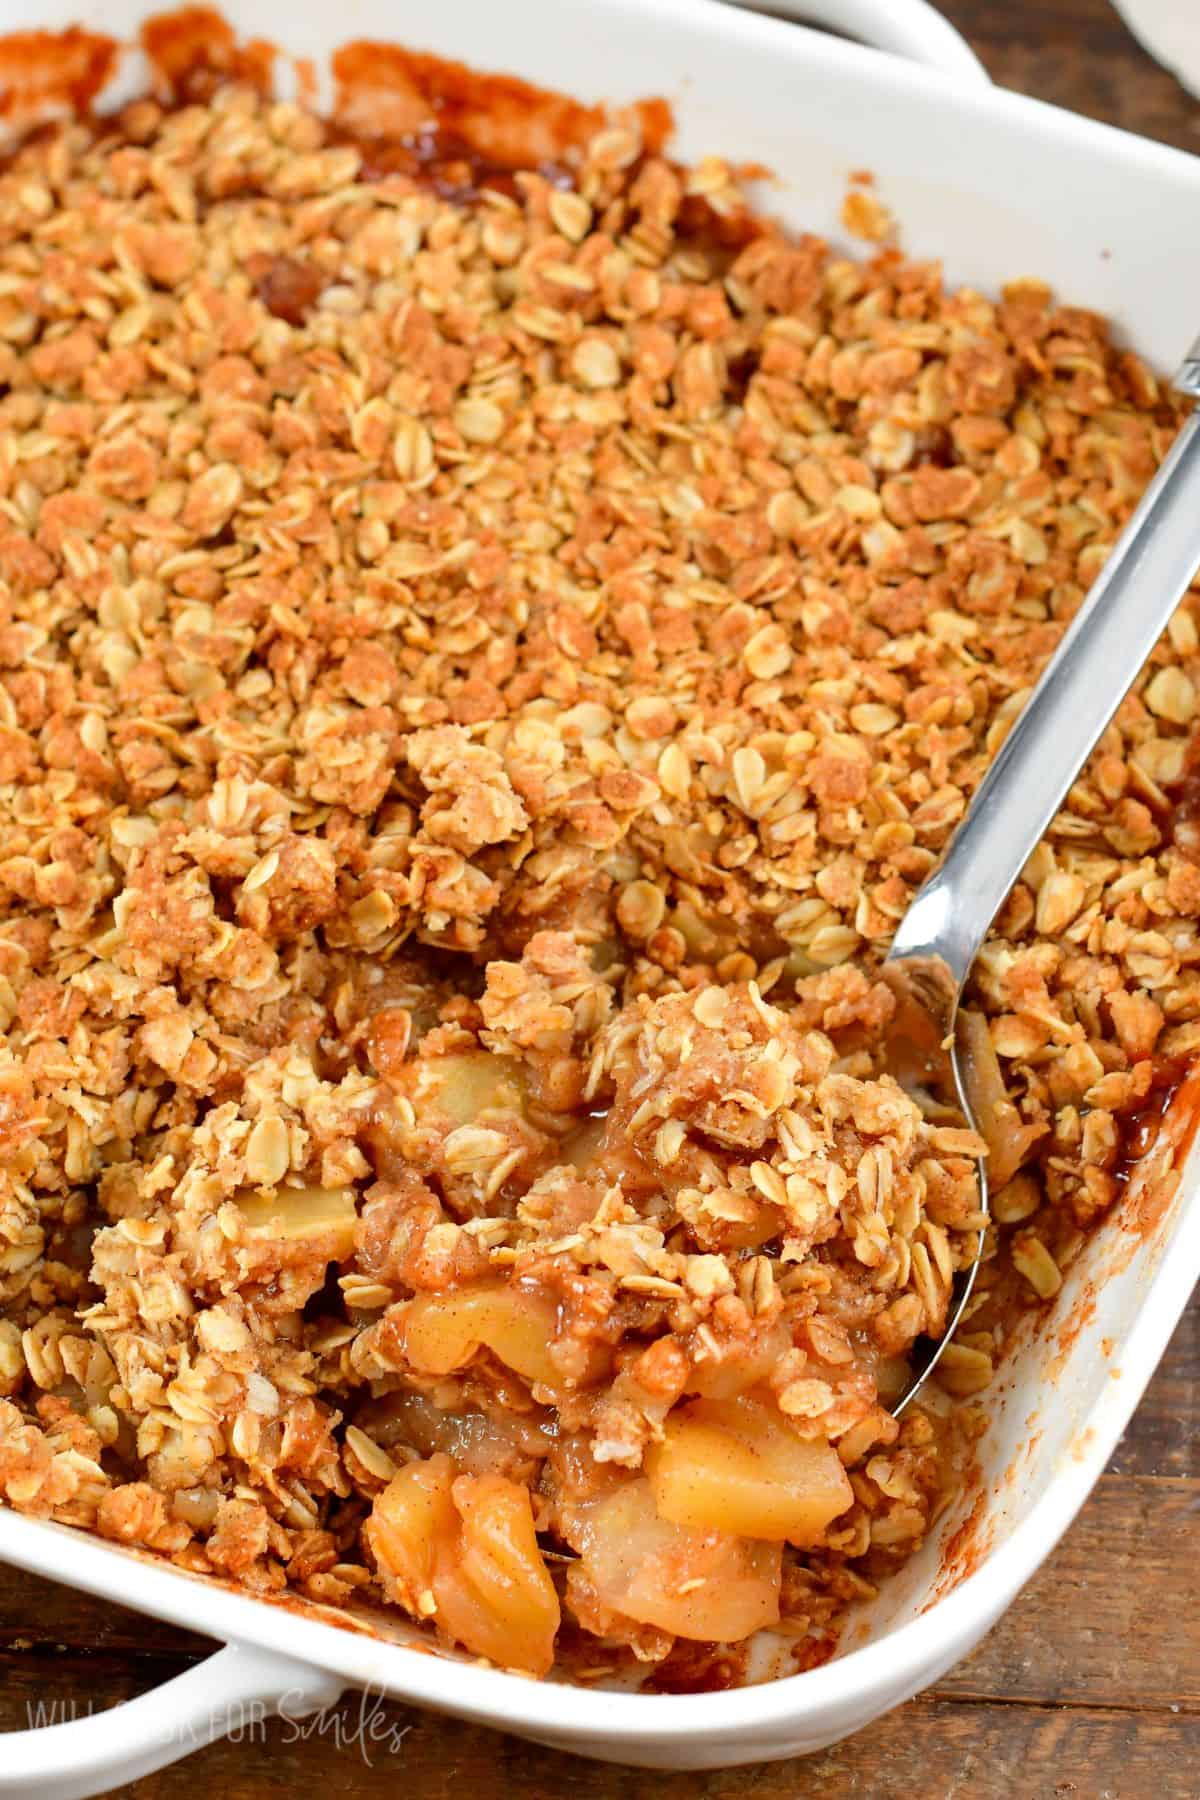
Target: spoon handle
x,y
1149,570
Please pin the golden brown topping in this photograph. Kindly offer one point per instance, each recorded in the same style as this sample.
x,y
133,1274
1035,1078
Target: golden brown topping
x,y
482,673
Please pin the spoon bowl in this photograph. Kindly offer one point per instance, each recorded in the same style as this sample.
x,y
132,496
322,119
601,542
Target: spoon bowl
x,y
925,1052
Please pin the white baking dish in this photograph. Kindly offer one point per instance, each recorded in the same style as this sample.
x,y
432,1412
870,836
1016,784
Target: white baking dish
x,y
997,186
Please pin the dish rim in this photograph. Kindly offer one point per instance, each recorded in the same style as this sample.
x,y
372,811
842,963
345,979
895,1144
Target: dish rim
x,y
950,1620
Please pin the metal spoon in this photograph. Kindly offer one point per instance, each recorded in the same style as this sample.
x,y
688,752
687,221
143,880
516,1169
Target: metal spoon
x,y
1147,573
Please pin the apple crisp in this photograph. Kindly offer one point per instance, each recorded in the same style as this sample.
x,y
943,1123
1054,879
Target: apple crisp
x,y
484,666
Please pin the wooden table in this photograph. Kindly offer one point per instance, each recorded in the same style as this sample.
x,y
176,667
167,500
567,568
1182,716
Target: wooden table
x,y
1088,1690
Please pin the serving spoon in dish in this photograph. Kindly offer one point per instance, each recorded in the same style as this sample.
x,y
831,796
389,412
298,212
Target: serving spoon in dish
x,y
1150,568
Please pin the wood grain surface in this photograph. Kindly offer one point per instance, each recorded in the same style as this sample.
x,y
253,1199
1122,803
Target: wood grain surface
x,y
1089,1688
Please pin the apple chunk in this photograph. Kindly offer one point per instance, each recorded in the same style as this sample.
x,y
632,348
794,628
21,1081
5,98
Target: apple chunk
x,y
737,1466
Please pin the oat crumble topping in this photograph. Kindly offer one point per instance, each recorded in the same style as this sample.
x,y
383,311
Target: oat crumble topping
x,y
480,679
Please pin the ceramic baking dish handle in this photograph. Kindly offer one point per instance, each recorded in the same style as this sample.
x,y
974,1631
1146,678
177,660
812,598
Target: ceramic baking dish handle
x,y
234,1690
910,28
